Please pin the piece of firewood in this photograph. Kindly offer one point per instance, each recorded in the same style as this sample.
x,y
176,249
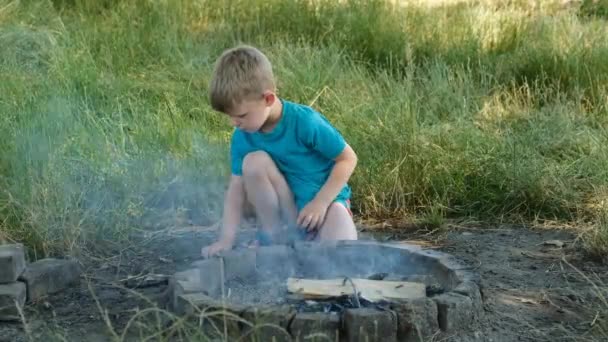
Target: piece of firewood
x,y
371,290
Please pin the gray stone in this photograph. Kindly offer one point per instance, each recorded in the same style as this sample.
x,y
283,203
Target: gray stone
x,y
315,327
455,311
426,262
410,248
277,261
191,303
186,274
190,280
239,264
363,325
457,272
268,323
315,260
360,258
48,276
184,282
439,265
210,272
471,290
12,262
426,279
417,319
327,260
465,275
11,295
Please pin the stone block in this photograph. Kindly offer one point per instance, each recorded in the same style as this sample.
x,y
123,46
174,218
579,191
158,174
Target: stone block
x,y
315,327
455,272
407,247
429,262
48,276
191,303
184,282
190,280
465,275
210,273
11,295
216,317
417,319
426,279
354,258
455,311
472,290
12,262
357,260
239,264
268,323
367,325
392,257
315,260
275,261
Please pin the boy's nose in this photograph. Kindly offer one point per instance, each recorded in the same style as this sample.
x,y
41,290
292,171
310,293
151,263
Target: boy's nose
x,y
234,122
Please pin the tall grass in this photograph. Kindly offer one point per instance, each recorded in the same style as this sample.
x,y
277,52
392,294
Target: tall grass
x,y
466,109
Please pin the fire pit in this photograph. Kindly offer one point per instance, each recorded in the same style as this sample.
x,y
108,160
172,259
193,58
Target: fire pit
x,y
348,290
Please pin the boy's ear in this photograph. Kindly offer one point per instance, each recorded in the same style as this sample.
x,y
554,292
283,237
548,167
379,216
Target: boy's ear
x,y
269,97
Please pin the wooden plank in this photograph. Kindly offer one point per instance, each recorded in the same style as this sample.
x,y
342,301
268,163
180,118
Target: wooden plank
x,y
372,290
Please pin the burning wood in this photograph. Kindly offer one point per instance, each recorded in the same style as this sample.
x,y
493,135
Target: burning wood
x,y
371,290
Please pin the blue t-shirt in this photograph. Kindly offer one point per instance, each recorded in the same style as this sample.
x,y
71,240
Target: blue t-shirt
x,y
303,145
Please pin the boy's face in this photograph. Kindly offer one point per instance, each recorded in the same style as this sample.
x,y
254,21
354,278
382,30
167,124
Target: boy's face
x,y
250,115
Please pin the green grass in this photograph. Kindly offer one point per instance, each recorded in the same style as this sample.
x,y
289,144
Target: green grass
x,y
483,110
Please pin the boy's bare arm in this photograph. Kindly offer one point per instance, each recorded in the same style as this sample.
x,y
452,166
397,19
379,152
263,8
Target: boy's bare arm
x,y
313,213
233,209
233,212
339,176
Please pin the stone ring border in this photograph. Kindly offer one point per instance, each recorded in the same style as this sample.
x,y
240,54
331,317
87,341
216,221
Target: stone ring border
x,y
192,291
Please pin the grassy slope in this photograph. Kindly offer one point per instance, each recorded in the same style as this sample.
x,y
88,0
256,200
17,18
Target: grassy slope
x,y
495,112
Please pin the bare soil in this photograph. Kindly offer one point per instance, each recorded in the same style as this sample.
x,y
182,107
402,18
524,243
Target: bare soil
x,y
533,291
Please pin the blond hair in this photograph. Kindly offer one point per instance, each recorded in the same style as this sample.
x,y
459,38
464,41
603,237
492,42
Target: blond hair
x,y
241,73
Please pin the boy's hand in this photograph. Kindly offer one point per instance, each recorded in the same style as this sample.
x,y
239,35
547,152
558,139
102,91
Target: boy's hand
x,y
312,215
215,249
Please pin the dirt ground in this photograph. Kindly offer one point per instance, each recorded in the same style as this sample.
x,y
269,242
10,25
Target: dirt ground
x,y
533,291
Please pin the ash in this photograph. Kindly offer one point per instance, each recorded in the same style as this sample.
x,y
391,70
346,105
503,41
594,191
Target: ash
x,y
261,290
274,292
256,291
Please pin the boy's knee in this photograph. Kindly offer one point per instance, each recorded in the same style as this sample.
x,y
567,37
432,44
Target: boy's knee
x,y
256,163
338,224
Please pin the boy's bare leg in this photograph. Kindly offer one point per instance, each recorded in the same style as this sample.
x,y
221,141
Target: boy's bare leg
x,y
268,191
338,224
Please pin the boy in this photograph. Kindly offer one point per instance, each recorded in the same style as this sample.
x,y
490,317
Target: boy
x,y
287,160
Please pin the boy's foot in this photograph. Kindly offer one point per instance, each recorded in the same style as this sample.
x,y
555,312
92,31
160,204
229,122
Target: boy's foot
x,y
262,238
215,249
251,244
